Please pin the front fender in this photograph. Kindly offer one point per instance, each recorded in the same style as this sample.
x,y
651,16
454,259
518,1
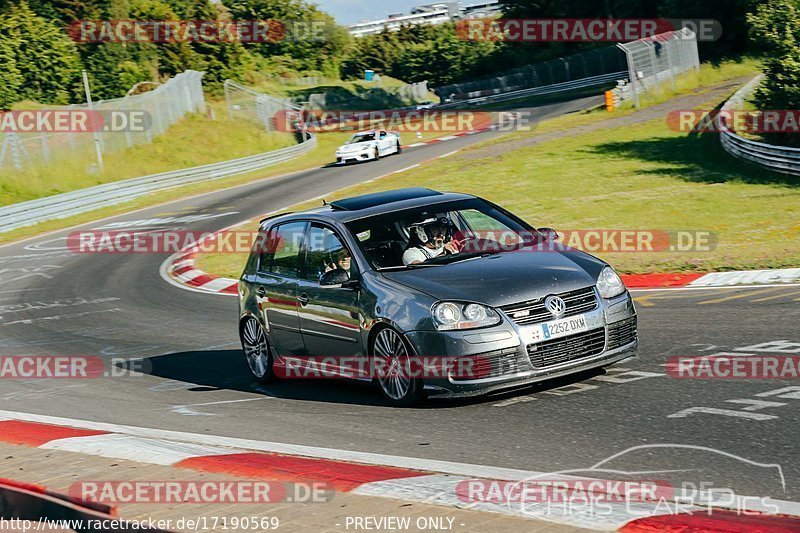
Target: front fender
x,y
386,303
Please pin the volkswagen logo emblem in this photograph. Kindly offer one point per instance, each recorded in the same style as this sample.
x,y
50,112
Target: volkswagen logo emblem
x,y
556,306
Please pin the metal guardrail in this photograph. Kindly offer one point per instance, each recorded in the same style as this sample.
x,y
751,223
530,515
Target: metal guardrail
x,y
781,159
76,202
583,83
558,70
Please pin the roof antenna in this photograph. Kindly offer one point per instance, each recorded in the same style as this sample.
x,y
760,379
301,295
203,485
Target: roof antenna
x,y
324,202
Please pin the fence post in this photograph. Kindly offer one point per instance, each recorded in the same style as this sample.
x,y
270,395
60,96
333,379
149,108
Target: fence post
x,y
667,48
226,86
71,134
12,144
652,53
45,147
631,74
95,134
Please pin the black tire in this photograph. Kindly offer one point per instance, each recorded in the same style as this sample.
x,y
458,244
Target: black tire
x,y
399,148
257,354
377,154
388,340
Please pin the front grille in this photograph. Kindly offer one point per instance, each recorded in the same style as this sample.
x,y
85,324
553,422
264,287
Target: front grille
x,y
557,351
531,312
621,333
488,365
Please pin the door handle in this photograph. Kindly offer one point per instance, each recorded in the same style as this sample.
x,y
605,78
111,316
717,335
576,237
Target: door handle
x,y
303,299
261,291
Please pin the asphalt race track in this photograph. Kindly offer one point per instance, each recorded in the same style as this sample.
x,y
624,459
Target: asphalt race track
x,y
57,303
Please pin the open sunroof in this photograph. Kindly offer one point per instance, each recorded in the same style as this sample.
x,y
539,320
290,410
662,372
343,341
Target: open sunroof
x,y
380,198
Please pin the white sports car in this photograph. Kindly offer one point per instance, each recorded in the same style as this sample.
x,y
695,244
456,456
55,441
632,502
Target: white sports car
x,y
369,145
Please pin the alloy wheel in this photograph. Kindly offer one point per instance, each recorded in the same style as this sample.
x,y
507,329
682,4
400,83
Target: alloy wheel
x,y
256,349
395,382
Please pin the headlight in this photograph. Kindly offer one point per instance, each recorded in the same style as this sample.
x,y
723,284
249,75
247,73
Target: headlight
x,y
609,283
450,315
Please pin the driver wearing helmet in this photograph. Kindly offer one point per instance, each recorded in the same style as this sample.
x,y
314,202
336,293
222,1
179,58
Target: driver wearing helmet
x,y
429,238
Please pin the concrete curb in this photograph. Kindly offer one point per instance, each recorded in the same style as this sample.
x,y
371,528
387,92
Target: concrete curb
x,y
400,478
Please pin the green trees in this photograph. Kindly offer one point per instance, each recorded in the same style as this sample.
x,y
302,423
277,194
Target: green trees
x,y
417,53
42,62
10,76
311,38
775,30
38,60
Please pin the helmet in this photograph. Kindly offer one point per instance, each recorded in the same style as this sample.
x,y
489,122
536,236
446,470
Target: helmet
x,y
428,229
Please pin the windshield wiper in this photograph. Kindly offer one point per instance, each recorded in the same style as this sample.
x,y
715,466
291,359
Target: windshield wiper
x,y
406,267
457,258
424,264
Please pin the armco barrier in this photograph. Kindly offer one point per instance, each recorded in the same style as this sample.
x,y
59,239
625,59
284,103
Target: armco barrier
x,y
76,202
583,83
776,158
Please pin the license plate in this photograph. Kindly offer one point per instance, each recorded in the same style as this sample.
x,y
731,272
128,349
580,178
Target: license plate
x,y
557,328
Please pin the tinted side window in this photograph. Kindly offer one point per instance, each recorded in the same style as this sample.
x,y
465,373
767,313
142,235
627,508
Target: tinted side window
x,y
324,252
281,253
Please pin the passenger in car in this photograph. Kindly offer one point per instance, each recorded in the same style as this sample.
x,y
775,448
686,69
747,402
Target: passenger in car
x,y
339,259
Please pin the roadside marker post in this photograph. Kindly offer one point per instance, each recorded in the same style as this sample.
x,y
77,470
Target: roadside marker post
x,y
610,100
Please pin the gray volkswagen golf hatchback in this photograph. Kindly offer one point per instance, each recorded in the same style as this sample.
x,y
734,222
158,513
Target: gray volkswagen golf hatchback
x,y
426,293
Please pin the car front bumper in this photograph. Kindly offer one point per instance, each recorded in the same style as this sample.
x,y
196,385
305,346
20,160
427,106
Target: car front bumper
x,y
361,155
508,361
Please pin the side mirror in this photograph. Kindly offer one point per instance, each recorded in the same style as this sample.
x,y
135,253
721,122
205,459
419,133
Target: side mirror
x,y
549,233
337,276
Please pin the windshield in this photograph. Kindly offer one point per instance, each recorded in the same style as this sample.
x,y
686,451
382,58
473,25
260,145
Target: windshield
x,y
361,137
440,234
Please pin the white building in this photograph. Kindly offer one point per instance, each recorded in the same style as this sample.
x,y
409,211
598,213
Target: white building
x,y
430,14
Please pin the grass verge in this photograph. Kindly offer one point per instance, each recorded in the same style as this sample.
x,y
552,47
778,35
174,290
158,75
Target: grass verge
x,y
195,140
643,176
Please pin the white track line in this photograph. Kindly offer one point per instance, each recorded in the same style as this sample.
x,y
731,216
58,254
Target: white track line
x,y
404,169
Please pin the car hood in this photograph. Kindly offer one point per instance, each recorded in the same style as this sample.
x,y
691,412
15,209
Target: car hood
x,y
356,146
504,278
